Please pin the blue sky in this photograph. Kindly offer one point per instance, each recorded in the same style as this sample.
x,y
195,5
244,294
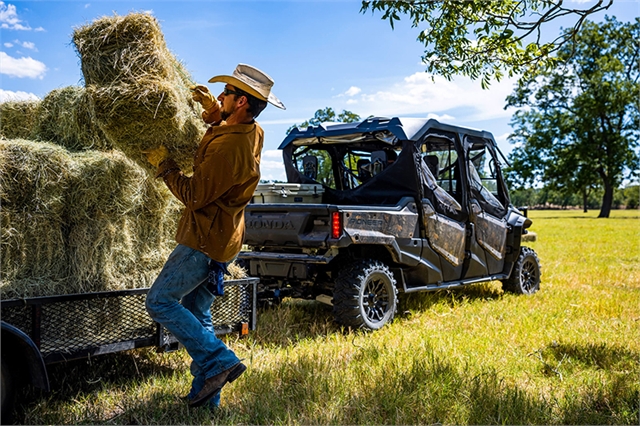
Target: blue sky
x,y
320,53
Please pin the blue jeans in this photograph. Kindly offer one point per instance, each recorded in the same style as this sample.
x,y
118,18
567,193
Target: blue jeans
x,y
183,279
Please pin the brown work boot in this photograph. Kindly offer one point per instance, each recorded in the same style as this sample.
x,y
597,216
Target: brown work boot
x,y
213,384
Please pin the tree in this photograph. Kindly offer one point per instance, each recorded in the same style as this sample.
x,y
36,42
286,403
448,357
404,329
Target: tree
x,y
327,115
631,196
481,38
580,126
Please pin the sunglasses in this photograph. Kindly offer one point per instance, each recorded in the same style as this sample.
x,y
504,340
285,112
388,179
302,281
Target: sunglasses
x,y
228,92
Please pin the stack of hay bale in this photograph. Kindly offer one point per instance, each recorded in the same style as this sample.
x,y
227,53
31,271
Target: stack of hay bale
x,y
80,209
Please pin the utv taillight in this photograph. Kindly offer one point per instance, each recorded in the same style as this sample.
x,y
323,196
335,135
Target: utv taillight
x,y
336,225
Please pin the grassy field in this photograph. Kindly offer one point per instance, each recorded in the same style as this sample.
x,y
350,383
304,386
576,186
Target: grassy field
x,y
570,354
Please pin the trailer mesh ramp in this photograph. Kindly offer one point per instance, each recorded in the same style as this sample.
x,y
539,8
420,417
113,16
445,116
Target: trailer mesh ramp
x,y
71,326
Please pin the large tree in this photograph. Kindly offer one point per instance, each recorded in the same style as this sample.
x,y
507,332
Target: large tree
x,y
485,38
579,126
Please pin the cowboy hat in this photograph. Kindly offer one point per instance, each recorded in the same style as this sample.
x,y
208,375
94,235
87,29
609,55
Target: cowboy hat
x,y
251,80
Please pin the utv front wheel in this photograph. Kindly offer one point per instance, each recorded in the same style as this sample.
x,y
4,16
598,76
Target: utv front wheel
x,y
365,295
525,277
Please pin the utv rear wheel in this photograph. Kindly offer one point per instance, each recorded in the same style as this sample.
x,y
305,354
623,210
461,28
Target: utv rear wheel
x,y
525,277
365,295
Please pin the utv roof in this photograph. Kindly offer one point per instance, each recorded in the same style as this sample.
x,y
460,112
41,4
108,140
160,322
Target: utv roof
x,y
385,129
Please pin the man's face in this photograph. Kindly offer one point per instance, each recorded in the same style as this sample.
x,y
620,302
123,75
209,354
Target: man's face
x,y
228,103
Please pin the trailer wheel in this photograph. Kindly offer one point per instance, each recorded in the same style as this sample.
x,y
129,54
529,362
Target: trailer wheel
x,y
365,295
7,393
525,277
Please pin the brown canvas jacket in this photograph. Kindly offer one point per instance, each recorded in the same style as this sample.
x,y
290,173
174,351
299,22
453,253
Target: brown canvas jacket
x,y
226,172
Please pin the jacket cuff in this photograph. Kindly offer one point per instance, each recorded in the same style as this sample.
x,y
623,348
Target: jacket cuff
x,y
207,117
166,167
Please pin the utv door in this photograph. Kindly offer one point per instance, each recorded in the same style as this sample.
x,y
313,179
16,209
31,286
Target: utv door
x,y
488,200
444,218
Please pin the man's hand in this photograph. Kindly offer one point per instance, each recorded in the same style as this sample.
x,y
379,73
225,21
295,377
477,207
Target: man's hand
x,y
157,155
202,95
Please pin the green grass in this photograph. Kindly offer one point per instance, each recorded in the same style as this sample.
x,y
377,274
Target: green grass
x,y
570,354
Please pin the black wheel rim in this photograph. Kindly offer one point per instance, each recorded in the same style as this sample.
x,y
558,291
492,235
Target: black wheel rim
x,y
529,275
376,298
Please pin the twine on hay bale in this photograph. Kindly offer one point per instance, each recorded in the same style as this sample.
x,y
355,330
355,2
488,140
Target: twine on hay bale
x,y
139,90
18,119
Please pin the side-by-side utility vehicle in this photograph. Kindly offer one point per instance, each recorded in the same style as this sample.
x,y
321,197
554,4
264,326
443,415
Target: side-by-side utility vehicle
x,y
381,206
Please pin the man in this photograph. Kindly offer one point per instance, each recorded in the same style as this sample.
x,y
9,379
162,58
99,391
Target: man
x,y
226,172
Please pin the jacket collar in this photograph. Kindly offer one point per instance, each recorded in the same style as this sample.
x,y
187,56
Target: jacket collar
x,y
224,128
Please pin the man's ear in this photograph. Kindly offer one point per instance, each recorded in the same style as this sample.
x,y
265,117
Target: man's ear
x,y
242,100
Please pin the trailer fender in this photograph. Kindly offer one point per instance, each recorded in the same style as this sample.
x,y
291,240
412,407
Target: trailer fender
x,y
18,348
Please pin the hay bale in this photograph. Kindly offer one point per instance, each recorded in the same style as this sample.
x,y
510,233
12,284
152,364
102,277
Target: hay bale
x,y
79,222
34,179
530,237
104,184
142,116
18,119
105,196
34,261
121,49
65,117
139,90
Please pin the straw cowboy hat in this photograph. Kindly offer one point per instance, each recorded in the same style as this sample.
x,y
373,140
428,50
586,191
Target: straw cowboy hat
x,y
251,80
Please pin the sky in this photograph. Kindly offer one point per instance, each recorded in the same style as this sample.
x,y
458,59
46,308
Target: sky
x,y
319,53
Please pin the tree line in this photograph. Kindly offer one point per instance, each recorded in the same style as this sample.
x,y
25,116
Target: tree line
x,y
548,198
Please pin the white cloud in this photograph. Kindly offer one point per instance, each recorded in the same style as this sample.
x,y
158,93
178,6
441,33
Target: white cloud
x,y
86,6
23,67
8,14
25,44
272,170
272,153
422,93
444,117
8,95
9,18
39,29
148,12
352,101
8,44
502,138
353,90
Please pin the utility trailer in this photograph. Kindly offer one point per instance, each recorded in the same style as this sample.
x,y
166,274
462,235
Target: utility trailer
x,y
39,331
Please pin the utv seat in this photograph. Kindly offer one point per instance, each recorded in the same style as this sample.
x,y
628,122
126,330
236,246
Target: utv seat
x,y
364,173
310,166
432,164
